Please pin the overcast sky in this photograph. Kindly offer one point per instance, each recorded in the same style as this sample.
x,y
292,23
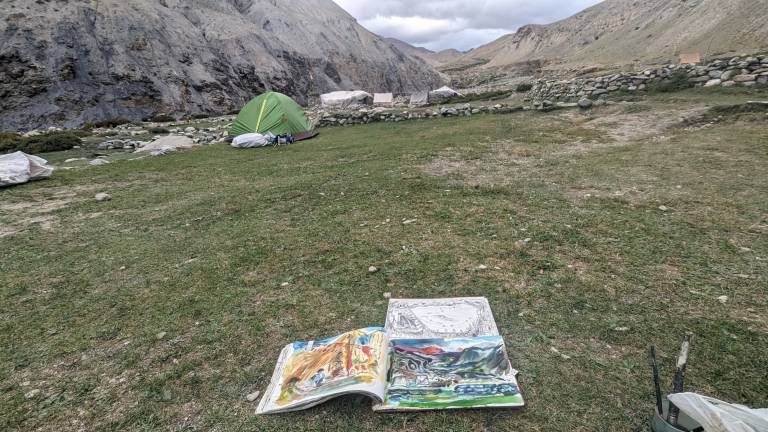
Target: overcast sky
x,y
460,24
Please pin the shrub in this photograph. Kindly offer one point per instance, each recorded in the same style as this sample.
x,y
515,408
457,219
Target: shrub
x,y
524,88
56,141
9,142
110,123
159,131
161,118
676,82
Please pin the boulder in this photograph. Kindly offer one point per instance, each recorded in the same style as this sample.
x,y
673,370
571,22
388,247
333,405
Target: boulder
x,y
728,84
744,78
585,103
727,75
112,144
715,74
713,82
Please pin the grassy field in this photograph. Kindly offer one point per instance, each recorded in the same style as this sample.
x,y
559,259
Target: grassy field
x,y
164,307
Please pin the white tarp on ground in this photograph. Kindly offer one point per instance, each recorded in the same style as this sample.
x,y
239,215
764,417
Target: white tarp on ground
x,y
345,99
250,140
443,93
168,144
420,98
17,168
383,99
718,416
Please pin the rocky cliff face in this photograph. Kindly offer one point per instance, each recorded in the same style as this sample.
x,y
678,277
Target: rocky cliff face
x,y
69,62
627,31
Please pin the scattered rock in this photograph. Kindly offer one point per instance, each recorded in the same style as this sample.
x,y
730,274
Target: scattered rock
x,y
253,396
482,267
161,335
522,244
101,197
285,284
663,208
713,82
387,295
168,143
723,299
98,162
621,329
409,221
373,269
744,78
32,394
585,103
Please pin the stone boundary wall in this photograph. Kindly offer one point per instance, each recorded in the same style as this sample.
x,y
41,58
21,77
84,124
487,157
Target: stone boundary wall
x,y
744,71
377,115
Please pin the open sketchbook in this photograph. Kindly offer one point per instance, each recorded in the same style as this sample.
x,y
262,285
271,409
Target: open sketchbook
x,y
433,354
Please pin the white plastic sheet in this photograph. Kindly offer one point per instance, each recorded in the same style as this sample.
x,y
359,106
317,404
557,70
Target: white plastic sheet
x,y
250,140
718,416
345,99
17,168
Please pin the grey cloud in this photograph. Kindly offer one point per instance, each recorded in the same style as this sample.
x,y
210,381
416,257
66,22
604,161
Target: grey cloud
x,y
462,24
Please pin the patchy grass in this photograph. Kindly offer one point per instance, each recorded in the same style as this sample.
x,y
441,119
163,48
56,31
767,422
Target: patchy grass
x,y
197,244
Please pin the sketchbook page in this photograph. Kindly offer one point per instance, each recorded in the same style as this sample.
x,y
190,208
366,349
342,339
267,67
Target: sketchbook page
x,y
309,373
440,318
437,374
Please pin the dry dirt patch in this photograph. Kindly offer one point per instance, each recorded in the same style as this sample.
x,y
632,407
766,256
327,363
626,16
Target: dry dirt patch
x,y
507,160
17,216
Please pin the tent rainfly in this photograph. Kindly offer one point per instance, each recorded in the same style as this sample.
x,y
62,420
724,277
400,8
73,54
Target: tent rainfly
x,y
383,99
443,93
276,113
345,99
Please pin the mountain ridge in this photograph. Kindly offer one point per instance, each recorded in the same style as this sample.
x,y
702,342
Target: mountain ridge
x,y
433,58
630,31
66,63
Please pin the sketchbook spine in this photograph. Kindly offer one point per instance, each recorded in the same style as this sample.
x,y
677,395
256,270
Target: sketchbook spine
x,y
274,381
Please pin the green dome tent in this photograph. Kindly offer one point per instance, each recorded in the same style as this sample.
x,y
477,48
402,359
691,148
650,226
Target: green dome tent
x,y
273,112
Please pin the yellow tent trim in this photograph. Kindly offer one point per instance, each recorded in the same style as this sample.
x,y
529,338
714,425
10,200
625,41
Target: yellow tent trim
x,y
261,114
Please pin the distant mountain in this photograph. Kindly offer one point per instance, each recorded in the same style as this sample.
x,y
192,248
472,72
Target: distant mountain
x,y
625,31
67,62
432,58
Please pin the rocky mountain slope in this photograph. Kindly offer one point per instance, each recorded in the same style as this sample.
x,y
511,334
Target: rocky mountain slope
x,y
69,62
431,57
626,31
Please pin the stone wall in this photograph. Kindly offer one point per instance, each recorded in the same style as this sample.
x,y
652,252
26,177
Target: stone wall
x,y
376,115
744,71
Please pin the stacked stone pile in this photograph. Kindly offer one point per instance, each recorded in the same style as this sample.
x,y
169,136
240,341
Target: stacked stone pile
x,y
741,71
